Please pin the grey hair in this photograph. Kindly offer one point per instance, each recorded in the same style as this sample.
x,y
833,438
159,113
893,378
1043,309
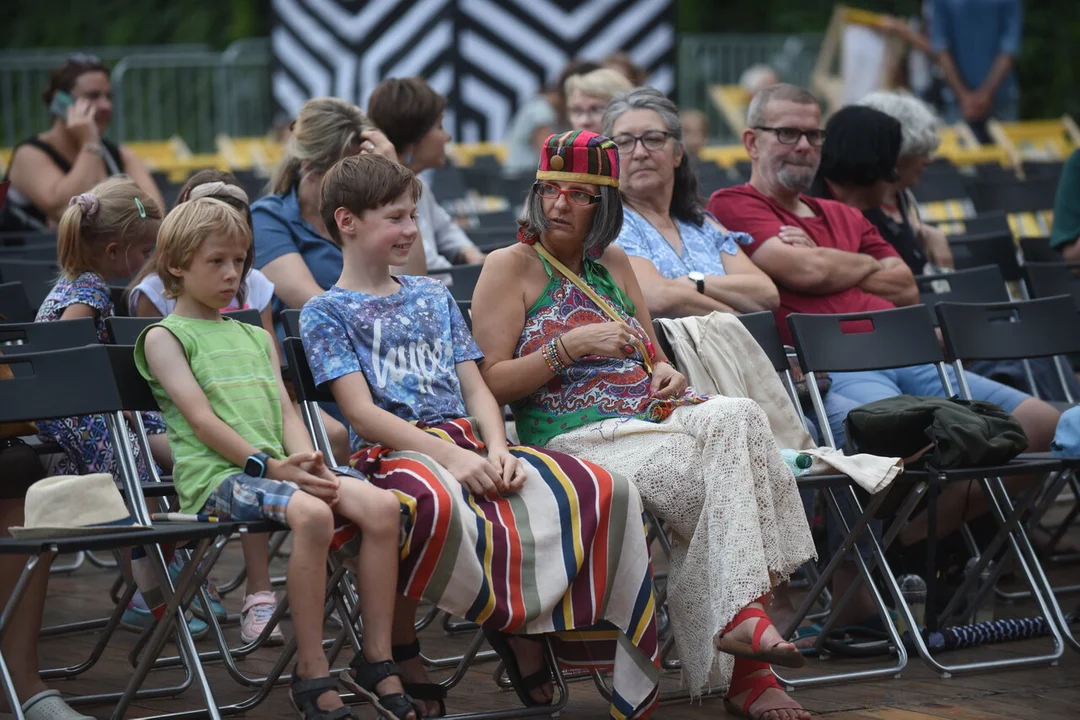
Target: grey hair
x,y
606,225
686,203
918,123
755,114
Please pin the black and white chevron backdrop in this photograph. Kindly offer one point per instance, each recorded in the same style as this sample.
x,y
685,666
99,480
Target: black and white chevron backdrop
x,y
486,56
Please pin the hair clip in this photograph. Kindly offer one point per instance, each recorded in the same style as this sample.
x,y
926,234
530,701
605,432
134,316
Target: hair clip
x,y
142,210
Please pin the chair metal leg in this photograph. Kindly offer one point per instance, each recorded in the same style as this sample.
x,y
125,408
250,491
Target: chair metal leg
x,y
70,567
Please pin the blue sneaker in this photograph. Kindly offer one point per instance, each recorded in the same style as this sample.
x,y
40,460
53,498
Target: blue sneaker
x,y
196,604
136,619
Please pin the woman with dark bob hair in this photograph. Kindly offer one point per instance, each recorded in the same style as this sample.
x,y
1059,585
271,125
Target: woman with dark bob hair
x,y
568,344
410,114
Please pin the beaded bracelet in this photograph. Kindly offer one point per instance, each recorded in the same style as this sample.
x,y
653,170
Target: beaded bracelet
x,y
551,357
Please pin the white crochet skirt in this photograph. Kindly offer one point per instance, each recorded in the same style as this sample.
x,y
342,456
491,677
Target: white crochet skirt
x,y
714,473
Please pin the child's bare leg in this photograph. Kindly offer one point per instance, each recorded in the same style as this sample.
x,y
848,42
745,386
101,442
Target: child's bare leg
x,y
311,521
256,562
159,448
376,513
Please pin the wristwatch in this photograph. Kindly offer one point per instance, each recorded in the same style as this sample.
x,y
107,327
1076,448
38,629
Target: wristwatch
x,y
698,278
256,465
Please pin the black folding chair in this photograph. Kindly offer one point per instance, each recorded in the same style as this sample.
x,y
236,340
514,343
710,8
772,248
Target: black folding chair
x,y
37,277
16,338
290,320
14,305
940,186
1037,249
79,381
995,222
898,338
126,330
971,251
977,284
464,277
1011,195
36,253
1008,331
1057,278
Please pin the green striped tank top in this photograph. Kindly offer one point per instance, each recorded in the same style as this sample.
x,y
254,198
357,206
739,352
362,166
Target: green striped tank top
x,y
231,362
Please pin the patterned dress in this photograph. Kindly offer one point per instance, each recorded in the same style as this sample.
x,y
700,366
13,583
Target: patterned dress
x,y
85,439
566,553
709,467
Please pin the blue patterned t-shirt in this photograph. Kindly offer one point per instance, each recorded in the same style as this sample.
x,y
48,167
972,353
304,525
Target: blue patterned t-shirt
x,y
406,344
702,246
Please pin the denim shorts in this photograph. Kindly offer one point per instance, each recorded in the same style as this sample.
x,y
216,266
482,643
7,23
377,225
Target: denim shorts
x,y
246,499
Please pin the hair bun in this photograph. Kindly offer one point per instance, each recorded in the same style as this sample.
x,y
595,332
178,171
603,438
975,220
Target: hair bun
x,y
88,202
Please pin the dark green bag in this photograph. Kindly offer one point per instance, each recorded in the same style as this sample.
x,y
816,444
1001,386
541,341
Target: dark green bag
x,y
959,433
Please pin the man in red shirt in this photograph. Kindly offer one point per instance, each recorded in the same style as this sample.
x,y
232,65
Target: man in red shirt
x,y
826,258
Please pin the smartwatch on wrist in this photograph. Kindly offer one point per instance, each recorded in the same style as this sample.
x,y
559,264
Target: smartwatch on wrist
x,y
699,279
256,465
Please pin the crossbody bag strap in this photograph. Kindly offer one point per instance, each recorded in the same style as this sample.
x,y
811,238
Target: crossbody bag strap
x,y
603,304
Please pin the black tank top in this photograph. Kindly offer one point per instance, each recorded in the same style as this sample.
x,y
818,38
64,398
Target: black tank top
x,y
21,215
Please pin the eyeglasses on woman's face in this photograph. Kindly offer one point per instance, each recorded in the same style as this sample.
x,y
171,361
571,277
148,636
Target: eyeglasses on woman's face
x,y
791,136
576,197
651,140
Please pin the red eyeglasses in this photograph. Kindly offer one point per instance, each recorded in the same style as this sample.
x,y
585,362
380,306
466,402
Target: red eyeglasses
x,y
576,197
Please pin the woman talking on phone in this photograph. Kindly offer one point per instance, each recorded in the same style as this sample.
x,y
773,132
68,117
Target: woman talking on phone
x,y
71,157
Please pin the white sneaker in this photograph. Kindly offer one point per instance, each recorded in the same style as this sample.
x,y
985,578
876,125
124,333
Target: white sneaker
x,y
258,609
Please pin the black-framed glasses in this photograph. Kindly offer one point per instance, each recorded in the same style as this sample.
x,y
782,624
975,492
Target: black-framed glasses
x,y
652,140
576,197
83,59
791,136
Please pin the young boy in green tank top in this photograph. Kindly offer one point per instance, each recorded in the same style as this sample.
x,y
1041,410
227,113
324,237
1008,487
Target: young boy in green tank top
x,y
242,452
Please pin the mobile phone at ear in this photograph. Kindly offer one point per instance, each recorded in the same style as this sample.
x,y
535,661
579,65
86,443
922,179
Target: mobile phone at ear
x,y
60,103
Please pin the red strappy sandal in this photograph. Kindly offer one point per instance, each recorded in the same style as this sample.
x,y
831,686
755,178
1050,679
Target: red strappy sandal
x,y
752,650
756,685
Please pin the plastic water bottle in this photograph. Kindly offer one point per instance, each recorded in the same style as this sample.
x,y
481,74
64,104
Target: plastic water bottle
x,y
913,589
984,608
799,463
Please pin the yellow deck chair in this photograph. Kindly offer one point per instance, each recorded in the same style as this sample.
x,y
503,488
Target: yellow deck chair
x,y
731,102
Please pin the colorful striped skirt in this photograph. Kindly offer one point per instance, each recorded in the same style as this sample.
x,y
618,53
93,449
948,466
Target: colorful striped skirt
x,y
565,555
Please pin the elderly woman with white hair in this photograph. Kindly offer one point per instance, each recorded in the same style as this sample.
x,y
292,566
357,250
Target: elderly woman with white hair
x,y
900,211
568,344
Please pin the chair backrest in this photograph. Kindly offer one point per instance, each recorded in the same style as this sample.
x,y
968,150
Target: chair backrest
x,y
37,277
1009,330
762,325
290,320
303,382
126,330
940,185
58,384
995,222
1037,249
974,285
14,305
118,295
971,251
465,277
865,341
465,306
38,253
664,343
1056,278
134,390
1013,196
47,336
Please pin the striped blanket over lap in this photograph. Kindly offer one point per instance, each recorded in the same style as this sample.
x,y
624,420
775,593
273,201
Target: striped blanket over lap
x,y
565,555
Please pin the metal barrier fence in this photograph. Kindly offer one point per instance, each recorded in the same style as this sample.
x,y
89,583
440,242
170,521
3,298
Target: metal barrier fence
x,y
158,92
706,60
196,93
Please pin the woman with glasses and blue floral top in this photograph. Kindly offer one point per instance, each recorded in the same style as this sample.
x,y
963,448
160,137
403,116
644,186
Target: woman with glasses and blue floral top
x,y
685,261
72,156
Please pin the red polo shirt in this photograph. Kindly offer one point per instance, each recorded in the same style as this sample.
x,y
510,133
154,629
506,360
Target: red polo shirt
x,y
834,225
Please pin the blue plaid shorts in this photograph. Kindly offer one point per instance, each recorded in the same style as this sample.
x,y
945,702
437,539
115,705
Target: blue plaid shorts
x,y
245,498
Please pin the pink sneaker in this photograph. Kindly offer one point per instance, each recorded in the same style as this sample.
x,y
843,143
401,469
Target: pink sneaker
x,y
258,609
